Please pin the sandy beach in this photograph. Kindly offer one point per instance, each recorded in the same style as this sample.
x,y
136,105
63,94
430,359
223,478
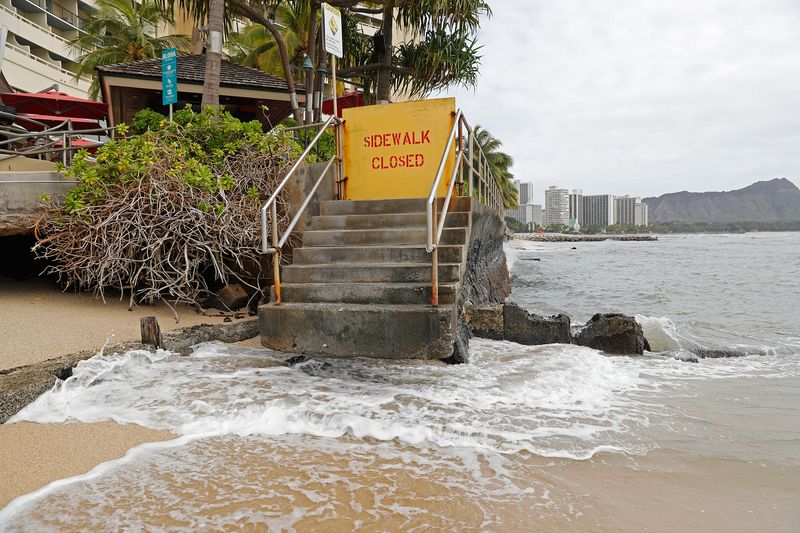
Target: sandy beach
x,y
33,455
39,322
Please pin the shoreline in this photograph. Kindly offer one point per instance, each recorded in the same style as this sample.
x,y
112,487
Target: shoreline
x,y
21,385
34,455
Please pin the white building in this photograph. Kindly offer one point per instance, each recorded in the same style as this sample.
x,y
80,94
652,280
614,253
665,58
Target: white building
x,y
556,205
642,217
524,190
625,209
37,52
630,211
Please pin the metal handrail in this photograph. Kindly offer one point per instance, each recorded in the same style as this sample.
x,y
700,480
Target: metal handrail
x,y
48,133
487,190
272,205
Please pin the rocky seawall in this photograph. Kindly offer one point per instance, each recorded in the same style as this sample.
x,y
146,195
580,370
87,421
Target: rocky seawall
x,y
566,237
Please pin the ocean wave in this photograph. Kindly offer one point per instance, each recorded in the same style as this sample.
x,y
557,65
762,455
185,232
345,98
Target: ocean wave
x,y
559,401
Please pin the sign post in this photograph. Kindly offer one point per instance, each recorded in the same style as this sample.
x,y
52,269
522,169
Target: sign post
x,y
169,78
332,44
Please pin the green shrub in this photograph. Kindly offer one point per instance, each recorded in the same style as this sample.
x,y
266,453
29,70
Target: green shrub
x,y
151,213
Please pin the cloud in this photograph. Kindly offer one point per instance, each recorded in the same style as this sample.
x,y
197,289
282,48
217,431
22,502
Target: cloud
x,y
642,96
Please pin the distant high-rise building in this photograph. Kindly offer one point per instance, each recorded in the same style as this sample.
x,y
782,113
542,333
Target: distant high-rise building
x,y
641,216
525,211
598,210
576,206
525,190
556,206
625,209
527,214
630,210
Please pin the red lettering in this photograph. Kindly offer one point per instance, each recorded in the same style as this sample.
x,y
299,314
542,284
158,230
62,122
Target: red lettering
x,y
396,138
386,139
420,160
426,136
374,161
367,143
407,139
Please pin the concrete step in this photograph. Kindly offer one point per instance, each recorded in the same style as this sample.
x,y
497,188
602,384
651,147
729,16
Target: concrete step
x,y
359,330
379,237
364,293
368,273
384,220
404,205
375,254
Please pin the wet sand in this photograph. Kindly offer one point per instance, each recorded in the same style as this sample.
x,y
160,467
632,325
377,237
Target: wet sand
x,y
33,455
323,486
39,322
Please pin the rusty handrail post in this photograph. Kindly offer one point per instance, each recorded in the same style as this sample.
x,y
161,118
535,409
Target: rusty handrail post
x,y
471,159
276,258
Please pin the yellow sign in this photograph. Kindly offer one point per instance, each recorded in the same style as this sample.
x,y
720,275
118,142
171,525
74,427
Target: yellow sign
x,y
394,150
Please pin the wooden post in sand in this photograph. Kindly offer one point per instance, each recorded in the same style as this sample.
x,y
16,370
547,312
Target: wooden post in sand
x,y
151,332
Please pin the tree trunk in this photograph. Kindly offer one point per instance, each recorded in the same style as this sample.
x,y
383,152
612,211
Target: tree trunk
x,y
311,49
383,88
258,18
216,10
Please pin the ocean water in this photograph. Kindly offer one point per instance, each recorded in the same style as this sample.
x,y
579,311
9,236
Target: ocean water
x,y
524,438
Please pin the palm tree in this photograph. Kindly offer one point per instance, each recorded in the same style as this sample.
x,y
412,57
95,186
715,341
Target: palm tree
x,y
121,31
442,50
255,46
254,10
499,164
216,26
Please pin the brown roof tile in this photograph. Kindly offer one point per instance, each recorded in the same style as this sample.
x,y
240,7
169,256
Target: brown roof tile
x,y
192,69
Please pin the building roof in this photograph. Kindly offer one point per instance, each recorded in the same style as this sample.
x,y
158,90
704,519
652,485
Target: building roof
x,y
192,69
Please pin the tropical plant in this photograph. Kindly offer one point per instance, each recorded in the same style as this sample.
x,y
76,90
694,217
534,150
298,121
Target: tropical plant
x,y
441,51
499,164
120,31
255,46
167,214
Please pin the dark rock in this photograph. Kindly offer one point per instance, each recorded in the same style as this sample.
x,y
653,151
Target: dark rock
x,y
461,343
486,277
613,333
486,321
529,328
233,296
720,353
296,359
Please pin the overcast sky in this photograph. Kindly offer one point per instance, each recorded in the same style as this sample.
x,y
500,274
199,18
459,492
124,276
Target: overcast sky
x,y
642,97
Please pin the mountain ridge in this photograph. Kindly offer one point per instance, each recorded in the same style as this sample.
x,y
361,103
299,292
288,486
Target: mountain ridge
x,y
775,200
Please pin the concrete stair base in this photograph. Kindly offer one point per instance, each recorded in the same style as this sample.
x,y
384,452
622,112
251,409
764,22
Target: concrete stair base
x,y
360,286
359,330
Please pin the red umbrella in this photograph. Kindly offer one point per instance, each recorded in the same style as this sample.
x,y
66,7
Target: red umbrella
x,y
51,121
76,143
343,102
55,103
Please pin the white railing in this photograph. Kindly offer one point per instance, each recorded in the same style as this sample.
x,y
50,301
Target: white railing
x,y
23,20
42,61
484,189
271,204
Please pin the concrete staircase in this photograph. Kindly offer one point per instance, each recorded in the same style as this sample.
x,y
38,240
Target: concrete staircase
x,y
361,283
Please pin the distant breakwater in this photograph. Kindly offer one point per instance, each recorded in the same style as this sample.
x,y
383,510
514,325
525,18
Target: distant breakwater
x,y
563,237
